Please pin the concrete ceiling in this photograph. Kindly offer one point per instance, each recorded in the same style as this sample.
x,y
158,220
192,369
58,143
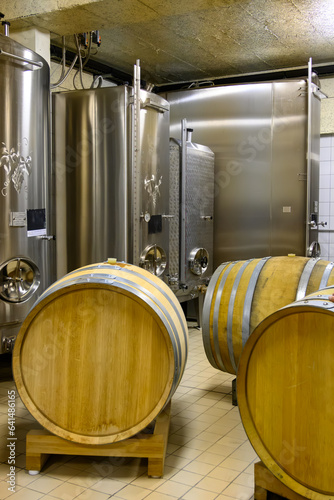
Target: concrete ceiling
x,y
189,40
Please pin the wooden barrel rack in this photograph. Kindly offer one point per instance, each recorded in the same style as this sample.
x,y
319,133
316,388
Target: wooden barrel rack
x,y
40,444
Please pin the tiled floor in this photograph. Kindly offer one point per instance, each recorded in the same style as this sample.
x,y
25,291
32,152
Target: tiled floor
x,y
208,457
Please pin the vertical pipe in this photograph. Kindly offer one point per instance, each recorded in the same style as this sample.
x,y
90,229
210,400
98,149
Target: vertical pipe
x,y
308,154
183,256
5,25
136,165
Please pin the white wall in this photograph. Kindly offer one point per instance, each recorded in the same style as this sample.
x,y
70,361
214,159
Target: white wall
x,y
326,196
326,184
327,106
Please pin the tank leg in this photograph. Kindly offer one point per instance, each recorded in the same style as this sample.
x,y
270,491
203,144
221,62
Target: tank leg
x,y
199,308
234,392
40,444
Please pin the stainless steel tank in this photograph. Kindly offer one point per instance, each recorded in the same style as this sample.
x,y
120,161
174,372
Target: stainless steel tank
x,y
111,156
263,136
26,242
191,199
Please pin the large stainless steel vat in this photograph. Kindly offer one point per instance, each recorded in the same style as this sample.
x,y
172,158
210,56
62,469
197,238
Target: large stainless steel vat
x,y
26,245
261,134
191,230
112,175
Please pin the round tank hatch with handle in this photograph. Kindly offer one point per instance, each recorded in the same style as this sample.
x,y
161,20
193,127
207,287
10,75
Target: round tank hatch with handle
x,y
19,279
198,261
153,259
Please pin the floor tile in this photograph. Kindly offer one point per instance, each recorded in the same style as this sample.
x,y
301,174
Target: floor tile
x,y
199,467
67,491
159,496
26,494
173,488
44,484
131,492
84,479
198,494
245,480
177,462
108,485
150,483
211,484
4,492
91,495
22,478
239,492
232,463
224,474
186,477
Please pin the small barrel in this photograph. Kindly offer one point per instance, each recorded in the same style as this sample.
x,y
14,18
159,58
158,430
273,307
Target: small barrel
x,y
285,389
101,353
242,293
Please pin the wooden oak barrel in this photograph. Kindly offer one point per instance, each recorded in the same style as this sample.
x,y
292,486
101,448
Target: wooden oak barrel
x,y
285,387
101,353
242,293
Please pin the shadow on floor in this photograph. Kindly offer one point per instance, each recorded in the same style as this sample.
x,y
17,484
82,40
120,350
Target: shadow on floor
x,y
6,373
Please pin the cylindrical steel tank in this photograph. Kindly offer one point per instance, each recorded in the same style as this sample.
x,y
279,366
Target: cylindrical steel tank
x,y
26,246
191,230
112,178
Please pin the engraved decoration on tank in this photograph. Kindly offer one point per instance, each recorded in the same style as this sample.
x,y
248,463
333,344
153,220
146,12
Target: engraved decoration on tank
x,y
152,186
16,166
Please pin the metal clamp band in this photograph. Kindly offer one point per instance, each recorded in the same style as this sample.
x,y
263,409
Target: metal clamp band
x,y
249,299
326,275
305,277
216,317
229,325
206,314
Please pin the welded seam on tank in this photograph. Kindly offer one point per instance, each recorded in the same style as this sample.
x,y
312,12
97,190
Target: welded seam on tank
x,y
305,278
326,275
216,317
143,294
229,325
206,314
249,299
138,275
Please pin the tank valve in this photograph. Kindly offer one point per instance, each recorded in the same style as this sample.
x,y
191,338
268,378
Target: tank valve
x,y
8,344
